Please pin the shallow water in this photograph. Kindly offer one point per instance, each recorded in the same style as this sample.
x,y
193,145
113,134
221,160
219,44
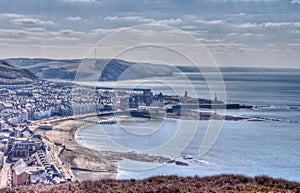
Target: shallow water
x,y
243,147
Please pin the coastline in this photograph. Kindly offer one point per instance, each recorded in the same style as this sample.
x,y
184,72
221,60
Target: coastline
x,y
83,163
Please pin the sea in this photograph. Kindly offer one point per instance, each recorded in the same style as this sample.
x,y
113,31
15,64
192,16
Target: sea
x,y
267,145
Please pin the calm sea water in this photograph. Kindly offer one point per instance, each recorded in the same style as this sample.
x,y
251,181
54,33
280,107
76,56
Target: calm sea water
x,y
243,147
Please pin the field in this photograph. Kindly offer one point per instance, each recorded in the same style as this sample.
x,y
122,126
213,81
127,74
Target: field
x,y
221,183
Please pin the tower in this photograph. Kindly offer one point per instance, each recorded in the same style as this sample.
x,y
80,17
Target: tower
x,y
185,94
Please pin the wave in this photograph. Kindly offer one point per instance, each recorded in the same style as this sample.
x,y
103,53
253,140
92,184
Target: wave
x,y
202,161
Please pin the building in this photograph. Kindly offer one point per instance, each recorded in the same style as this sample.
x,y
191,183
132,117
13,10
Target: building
x,y
19,130
124,103
45,127
1,159
20,176
22,148
23,174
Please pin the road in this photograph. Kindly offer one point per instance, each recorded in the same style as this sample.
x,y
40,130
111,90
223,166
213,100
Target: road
x,y
4,174
52,156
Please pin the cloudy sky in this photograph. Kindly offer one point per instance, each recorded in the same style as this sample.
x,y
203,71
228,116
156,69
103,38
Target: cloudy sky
x,y
236,32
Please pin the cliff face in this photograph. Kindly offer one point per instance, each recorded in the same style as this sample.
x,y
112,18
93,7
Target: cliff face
x,y
14,75
123,70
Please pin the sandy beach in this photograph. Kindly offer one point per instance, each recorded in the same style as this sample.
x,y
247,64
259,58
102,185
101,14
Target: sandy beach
x,y
84,163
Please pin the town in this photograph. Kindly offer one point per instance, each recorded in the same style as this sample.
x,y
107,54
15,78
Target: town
x,y
25,158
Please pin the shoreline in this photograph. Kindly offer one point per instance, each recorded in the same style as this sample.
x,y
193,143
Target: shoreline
x,y
80,162
73,155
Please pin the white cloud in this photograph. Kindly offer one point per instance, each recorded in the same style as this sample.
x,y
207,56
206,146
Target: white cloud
x,y
209,41
23,33
247,34
75,18
102,31
211,22
31,21
243,0
24,20
57,39
247,25
230,48
78,1
11,15
294,31
280,24
172,21
296,24
223,45
294,44
168,21
36,29
128,18
138,19
243,36
14,33
275,24
232,34
295,1
188,27
68,32
39,34
268,25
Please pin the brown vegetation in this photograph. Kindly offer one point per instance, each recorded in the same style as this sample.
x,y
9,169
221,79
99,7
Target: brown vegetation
x,y
221,183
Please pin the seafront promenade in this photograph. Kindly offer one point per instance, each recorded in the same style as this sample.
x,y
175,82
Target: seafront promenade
x,y
82,163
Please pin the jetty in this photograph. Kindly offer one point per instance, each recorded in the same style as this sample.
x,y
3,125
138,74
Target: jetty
x,y
102,122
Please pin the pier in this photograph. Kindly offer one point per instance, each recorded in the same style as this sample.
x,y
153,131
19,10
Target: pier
x,y
103,122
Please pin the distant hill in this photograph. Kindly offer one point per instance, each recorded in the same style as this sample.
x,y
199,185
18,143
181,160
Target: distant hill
x,y
112,70
221,183
14,75
123,70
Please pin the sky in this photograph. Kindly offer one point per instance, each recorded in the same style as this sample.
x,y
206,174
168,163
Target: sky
x,y
264,33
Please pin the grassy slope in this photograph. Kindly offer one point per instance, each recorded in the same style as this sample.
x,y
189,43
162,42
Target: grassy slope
x,y
105,70
221,183
13,75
